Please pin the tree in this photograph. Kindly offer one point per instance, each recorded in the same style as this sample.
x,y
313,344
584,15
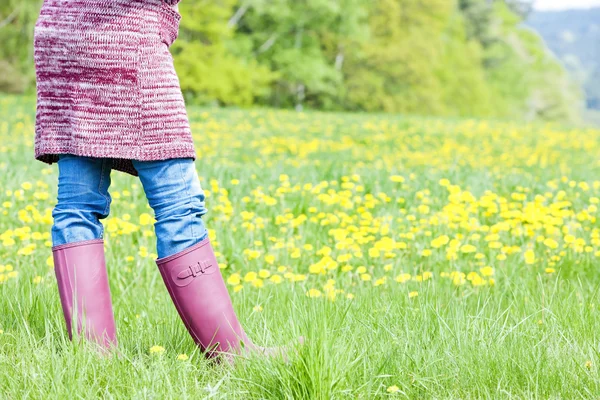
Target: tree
x,y
209,66
304,43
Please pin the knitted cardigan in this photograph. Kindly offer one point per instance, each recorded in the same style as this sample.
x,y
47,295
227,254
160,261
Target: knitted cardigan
x,y
106,83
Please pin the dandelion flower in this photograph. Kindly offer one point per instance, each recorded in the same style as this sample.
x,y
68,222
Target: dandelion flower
x,y
263,273
157,350
529,257
393,389
145,219
234,279
250,276
403,278
468,248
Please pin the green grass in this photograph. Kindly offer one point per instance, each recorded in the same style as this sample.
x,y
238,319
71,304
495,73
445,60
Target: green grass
x,y
529,333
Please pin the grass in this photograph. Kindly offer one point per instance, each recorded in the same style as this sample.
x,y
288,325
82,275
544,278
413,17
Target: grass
x,y
420,258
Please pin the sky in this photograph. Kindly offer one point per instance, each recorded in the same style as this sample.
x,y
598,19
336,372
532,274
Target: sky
x,y
565,4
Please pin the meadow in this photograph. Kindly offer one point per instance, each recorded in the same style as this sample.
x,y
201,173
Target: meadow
x,y
419,257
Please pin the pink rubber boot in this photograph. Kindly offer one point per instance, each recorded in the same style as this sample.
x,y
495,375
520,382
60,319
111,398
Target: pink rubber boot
x,y
83,287
194,281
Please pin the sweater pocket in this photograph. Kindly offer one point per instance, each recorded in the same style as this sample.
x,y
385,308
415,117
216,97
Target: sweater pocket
x,y
169,20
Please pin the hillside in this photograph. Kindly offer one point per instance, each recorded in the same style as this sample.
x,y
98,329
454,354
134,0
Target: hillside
x,y
574,36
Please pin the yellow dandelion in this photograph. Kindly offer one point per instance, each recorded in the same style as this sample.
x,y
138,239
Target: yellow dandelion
x,y
157,350
250,276
379,282
145,219
234,279
393,389
468,248
440,241
551,243
258,283
529,257
263,273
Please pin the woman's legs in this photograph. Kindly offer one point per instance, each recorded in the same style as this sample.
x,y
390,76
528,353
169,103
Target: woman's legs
x,y
174,193
187,261
78,248
83,199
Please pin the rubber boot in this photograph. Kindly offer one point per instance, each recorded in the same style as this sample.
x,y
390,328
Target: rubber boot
x,y
196,286
83,287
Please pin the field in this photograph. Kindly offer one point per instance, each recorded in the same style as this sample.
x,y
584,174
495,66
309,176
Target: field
x,y
420,258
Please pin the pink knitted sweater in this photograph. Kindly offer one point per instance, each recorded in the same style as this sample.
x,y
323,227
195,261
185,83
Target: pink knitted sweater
x,y
106,82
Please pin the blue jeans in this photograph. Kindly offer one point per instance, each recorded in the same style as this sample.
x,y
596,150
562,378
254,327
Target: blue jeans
x,y
171,186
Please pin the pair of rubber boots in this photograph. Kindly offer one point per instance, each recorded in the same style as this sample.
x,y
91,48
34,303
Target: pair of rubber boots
x,y
192,277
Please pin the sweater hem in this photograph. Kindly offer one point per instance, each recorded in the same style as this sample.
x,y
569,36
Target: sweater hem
x,y
124,159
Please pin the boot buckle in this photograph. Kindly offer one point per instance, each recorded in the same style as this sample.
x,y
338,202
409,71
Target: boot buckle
x,y
189,273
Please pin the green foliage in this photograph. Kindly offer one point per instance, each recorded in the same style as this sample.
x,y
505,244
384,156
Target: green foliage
x,y
209,71
17,20
438,57
305,43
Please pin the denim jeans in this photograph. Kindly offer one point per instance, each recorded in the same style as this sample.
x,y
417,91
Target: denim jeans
x,y
171,186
